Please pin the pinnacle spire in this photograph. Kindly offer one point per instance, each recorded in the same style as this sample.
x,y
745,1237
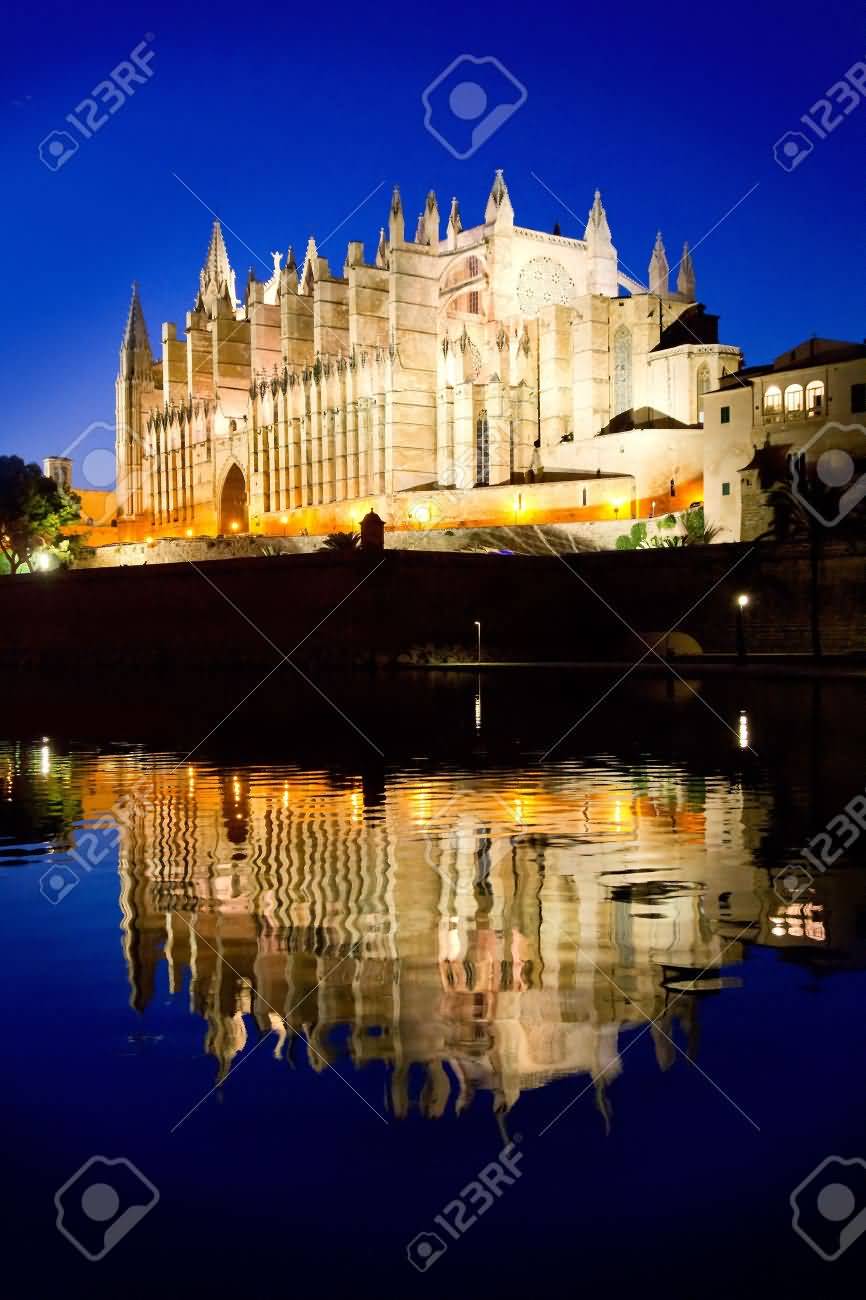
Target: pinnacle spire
x,y
659,271
382,249
498,200
216,275
454,220
597,228
420,232
686,285
396,223
431,220
135,334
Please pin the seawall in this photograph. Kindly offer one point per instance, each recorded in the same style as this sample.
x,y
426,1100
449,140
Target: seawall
x,y
418,606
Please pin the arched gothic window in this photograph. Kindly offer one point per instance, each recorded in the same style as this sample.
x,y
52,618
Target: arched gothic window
x,y
482,450
621,370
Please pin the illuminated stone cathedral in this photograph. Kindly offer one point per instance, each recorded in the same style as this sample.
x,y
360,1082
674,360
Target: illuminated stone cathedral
x,y
474,374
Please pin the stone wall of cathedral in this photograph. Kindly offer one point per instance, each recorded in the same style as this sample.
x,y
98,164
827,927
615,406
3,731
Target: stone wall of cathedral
x,y
492,356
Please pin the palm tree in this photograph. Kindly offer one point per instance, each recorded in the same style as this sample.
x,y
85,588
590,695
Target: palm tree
x,y
341,542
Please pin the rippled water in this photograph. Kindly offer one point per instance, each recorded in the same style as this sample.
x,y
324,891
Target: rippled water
x,y
311,1005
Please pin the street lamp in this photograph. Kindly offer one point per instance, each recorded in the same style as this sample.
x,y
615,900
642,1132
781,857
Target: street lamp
x,y
742,602
478,626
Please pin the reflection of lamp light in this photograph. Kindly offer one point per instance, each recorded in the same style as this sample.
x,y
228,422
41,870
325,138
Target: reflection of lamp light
x,y
478,625
744,730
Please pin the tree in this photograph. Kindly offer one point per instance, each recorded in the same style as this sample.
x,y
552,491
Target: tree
x,y
341,542
33,510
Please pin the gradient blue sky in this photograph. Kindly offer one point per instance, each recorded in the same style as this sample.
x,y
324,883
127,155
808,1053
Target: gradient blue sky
x,y
282,120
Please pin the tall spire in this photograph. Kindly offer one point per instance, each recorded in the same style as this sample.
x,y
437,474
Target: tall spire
x,y
659,271
499,206
602,274
135,354
217,273
686,284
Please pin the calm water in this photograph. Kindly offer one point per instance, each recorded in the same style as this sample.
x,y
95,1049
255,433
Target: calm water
x,y
311,1004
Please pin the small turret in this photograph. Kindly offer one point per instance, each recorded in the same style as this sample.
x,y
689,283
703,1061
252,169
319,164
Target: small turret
x,y
659,271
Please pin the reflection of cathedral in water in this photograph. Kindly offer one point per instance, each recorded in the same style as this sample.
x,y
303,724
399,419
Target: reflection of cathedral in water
x,y
490,935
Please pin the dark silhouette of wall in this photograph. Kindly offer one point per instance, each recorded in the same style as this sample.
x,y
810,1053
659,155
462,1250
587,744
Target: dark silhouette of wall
x,y
423,605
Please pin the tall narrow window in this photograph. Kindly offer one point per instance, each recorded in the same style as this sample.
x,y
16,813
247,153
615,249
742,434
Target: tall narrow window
x,y
814,398
482,451
773,402
703,386
794,401
621,370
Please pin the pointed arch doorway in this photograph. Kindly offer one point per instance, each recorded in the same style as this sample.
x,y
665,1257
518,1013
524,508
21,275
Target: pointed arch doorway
x,y
233,502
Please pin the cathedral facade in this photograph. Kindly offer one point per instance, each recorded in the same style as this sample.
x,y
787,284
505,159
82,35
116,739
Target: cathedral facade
x,y
475,375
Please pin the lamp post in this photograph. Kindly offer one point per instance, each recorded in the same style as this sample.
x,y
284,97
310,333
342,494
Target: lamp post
x,y
478,626
742,602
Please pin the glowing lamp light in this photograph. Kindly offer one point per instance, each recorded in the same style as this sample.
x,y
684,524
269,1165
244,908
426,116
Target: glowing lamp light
x,y
234,525
43,560
148,541
421,514
284,519
742,600
189,532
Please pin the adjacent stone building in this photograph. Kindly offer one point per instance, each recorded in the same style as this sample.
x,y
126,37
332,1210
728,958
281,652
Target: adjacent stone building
x,y
479,375
799,422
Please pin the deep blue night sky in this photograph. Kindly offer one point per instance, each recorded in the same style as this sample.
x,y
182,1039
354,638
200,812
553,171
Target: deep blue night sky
x,y
284,119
